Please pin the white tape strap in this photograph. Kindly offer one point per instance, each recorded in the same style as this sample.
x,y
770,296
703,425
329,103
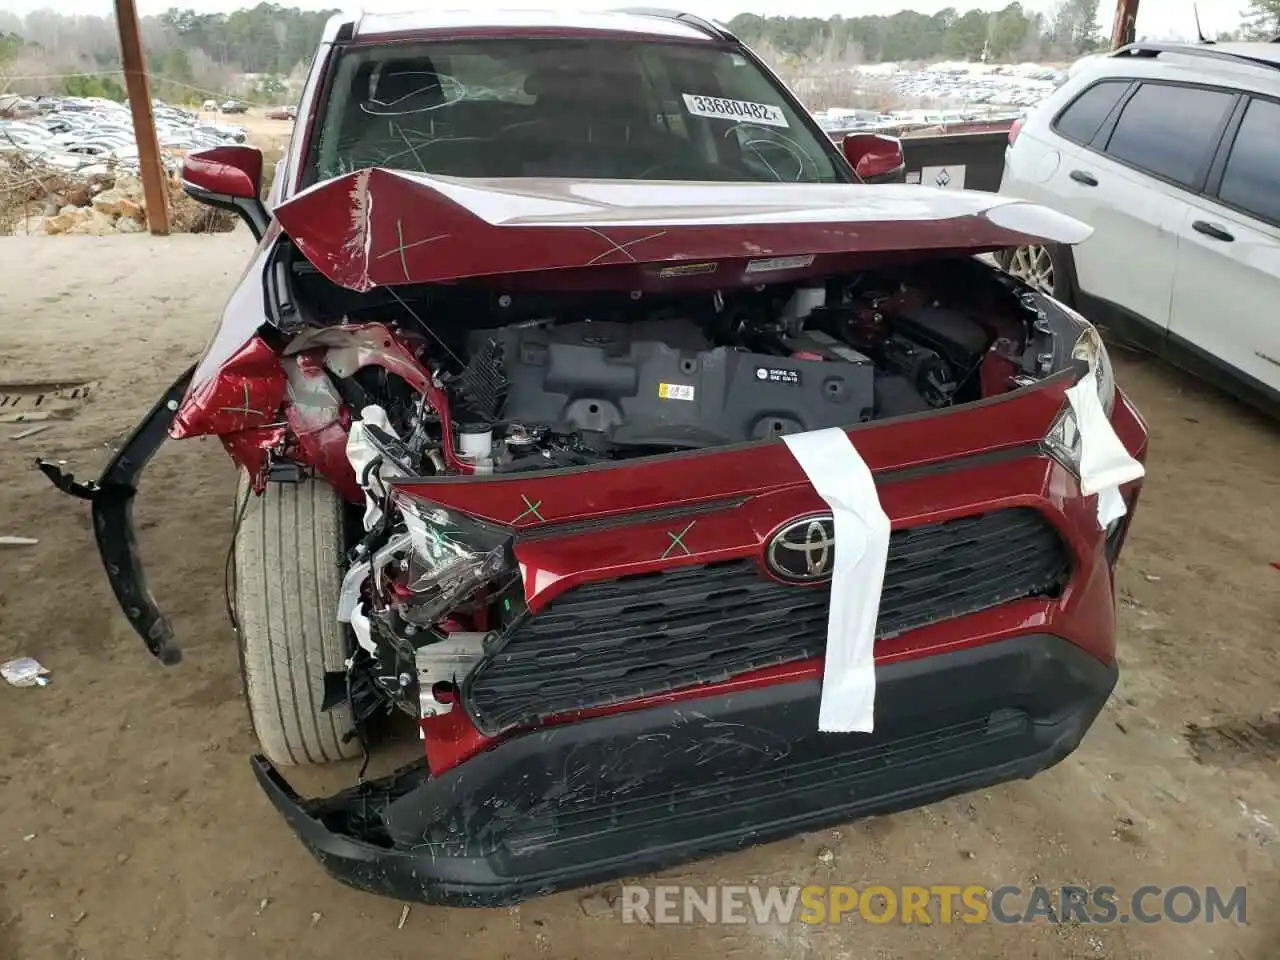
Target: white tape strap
x,y
1105,464
842,478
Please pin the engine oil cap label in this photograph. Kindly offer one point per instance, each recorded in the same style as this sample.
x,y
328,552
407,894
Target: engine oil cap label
x,y
778,375
675,391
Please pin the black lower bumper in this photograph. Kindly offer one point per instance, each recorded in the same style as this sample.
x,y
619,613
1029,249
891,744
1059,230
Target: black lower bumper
x,y
637,792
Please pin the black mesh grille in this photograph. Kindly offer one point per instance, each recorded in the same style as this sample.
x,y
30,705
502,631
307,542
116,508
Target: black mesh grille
x,y
617,640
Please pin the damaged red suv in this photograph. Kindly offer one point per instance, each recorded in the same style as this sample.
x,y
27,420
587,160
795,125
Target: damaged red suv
x,y
540,306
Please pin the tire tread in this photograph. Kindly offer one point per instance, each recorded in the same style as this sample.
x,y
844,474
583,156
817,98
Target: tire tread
x,y
288,575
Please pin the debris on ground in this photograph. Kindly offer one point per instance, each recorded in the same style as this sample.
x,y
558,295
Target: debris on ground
x,y
597,905
26,416
315,918
18,541
404,915
32,400
35,199
24,672
826,856
30,431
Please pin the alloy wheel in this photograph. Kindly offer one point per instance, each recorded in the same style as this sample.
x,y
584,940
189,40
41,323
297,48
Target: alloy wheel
x,y
1034,265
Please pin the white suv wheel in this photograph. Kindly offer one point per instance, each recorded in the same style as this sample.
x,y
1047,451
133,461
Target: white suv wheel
x,y
1033,265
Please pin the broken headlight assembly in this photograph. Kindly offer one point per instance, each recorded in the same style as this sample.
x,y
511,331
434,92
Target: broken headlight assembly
x,y
1063,440
1090,348
448,558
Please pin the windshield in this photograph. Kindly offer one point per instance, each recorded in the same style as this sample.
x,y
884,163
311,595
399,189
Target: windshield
x,y
598,109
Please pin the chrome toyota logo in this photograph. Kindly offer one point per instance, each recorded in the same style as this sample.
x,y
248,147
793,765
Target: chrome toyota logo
x,y
803,550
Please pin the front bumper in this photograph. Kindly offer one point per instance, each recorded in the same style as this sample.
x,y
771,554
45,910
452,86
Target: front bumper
x,y
639,791
961,704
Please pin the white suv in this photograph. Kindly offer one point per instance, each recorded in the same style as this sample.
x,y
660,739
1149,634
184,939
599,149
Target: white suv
x,y
1172,153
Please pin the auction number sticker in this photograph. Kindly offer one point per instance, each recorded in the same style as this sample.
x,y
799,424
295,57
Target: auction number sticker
x,y
675,391
744,111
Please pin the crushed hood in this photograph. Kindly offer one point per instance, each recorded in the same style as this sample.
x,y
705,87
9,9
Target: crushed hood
x,y
383,227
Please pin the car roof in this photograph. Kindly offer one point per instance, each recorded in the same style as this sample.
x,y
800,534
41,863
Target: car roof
x,y
656,24
1254,67
1256,51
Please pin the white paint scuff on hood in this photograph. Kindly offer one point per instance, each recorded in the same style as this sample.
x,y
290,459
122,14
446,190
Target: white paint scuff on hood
x,y
544,201
384,227
861,532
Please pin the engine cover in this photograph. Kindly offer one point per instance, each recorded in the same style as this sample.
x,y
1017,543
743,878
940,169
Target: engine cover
x,y
660,382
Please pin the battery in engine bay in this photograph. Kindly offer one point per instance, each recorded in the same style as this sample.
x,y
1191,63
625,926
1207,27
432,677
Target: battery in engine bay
x,y
818,345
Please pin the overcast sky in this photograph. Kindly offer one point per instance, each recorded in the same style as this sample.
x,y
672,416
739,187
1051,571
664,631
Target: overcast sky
x,y
1155,17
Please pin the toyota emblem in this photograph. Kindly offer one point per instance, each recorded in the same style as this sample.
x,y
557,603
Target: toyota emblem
x,y
803,551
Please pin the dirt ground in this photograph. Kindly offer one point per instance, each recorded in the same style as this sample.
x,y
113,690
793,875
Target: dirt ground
x,y
130,825
263,132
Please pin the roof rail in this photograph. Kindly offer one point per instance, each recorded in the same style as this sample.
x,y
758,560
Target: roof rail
x,y
1208,51
706,26
340,26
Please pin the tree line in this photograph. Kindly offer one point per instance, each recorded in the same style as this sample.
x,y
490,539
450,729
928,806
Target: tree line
x,y
1013,33
192,55
1070,29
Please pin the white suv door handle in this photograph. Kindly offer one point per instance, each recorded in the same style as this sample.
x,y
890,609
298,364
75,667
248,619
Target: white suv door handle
x,y
1083,176
1212,230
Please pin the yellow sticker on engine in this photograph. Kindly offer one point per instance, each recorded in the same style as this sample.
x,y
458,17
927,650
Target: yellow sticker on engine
x,y
675,391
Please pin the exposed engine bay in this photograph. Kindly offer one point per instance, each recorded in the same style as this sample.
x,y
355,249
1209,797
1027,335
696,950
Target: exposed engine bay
x,y
464,379
530,382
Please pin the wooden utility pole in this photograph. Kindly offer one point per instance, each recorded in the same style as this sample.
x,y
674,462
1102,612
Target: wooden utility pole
x,y
144,125
1123,32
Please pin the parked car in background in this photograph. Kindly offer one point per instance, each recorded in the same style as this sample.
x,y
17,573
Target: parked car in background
x,y
282,112
234,106
1170,151
223,131
93,136
515,383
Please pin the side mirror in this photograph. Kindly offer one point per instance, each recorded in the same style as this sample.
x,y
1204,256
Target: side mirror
x,y
875,158
228,177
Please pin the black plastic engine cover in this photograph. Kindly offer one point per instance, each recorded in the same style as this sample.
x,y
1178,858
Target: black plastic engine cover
x,y
949,333
660,382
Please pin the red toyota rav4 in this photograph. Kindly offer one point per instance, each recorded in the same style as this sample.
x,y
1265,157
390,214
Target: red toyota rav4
x,y
539,305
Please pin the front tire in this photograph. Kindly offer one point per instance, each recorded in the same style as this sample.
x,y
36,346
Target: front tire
x,y
288,572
